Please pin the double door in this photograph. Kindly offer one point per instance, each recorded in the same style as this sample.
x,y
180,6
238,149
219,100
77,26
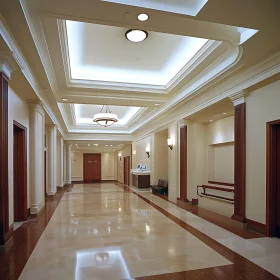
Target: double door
x,y
92,167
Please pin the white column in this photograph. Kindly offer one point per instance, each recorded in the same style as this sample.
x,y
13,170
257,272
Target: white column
x,y
68,164
61,162
36,151
51,137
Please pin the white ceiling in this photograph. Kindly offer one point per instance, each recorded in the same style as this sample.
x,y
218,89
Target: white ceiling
x,y
84,113
186,7
102,53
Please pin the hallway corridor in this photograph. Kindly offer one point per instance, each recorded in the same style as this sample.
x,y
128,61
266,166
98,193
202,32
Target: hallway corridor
x,y
101,231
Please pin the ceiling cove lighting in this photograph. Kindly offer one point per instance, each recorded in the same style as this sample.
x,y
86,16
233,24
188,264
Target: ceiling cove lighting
x,y
105,117
135,35
143,17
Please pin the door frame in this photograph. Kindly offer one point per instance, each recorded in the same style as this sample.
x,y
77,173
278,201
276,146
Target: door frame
x,y
20,184
84,154
127,165
270,177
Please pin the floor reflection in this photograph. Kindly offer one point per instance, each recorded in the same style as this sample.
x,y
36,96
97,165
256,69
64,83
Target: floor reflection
x,y
104,263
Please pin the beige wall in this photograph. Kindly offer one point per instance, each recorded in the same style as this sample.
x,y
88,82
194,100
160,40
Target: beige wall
x,y
161,155
197,157
221,131
263,105
210,162
18,111
58,161
173,163
125,152
108,163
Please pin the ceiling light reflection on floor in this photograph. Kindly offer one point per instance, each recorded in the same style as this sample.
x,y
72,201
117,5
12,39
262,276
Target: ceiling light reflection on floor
x,y
106,264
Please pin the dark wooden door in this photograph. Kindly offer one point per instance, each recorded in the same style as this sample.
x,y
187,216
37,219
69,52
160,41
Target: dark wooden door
x,y
20,173
278,182
92,167
127,171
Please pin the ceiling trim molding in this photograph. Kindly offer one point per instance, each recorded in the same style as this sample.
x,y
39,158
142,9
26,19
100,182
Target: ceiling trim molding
x,y
26,70
74,127
201,82
98,137
73,114
249,77
200,56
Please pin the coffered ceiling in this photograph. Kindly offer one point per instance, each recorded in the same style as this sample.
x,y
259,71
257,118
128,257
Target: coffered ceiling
x,y
78,59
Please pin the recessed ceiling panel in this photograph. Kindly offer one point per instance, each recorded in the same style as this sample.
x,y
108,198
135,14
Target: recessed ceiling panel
x,y
102,53
84,113
186,7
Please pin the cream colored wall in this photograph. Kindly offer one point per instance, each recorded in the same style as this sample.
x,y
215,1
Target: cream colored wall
x,y
161,155
125,152
210,162
262,106
58,161
197,157
17,111
142,158
173,163
224,163
107,165
221,131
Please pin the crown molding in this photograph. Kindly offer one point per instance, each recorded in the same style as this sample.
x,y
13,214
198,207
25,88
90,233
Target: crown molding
x,y
239,97
24,66
201,82
200,56
232,86
98,137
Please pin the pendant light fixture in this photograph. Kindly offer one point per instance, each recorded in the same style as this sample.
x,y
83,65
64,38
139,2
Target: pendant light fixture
x,y
105,117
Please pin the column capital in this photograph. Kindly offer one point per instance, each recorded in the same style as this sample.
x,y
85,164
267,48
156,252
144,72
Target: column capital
x,y
239,97
50,126
7,64
181,123
36,105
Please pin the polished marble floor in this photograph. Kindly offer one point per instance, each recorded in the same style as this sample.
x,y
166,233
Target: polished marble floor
x,y
101,231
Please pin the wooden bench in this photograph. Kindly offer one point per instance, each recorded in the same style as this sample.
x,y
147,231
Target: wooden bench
x,y
205,194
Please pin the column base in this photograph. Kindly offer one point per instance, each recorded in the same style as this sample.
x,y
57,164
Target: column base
x,y
183,199
51,192
238,218
7,235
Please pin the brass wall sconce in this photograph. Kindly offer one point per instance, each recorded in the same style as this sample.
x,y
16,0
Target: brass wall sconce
x,y
120,156
170,143
148,151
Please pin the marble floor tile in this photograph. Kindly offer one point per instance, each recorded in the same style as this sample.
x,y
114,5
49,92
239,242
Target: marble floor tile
x,y
98,231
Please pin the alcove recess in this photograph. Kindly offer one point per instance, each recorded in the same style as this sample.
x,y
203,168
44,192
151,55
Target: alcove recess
x,y
221,162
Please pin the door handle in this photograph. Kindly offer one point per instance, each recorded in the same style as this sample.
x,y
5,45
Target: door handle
x,y
89,161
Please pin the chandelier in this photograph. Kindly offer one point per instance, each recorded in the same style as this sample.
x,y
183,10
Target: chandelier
x,y
105,117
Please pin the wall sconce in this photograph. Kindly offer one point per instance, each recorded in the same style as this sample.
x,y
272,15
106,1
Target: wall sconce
x,y
170,143
120,156
148,151
134,152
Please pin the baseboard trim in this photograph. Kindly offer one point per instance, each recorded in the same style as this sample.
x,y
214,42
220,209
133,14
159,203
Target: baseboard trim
x,y
7,235
182,199
28,213
238,218
256,226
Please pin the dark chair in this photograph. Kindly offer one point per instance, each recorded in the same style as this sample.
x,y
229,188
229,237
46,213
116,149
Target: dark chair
x,y
161,187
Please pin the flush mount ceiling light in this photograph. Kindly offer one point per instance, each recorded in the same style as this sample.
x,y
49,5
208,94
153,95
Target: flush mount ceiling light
x,y
135,35
105,117
143,17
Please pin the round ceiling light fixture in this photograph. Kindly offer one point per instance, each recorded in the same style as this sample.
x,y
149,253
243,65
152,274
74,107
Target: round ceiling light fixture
x,y
143,17
135,35
105,117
